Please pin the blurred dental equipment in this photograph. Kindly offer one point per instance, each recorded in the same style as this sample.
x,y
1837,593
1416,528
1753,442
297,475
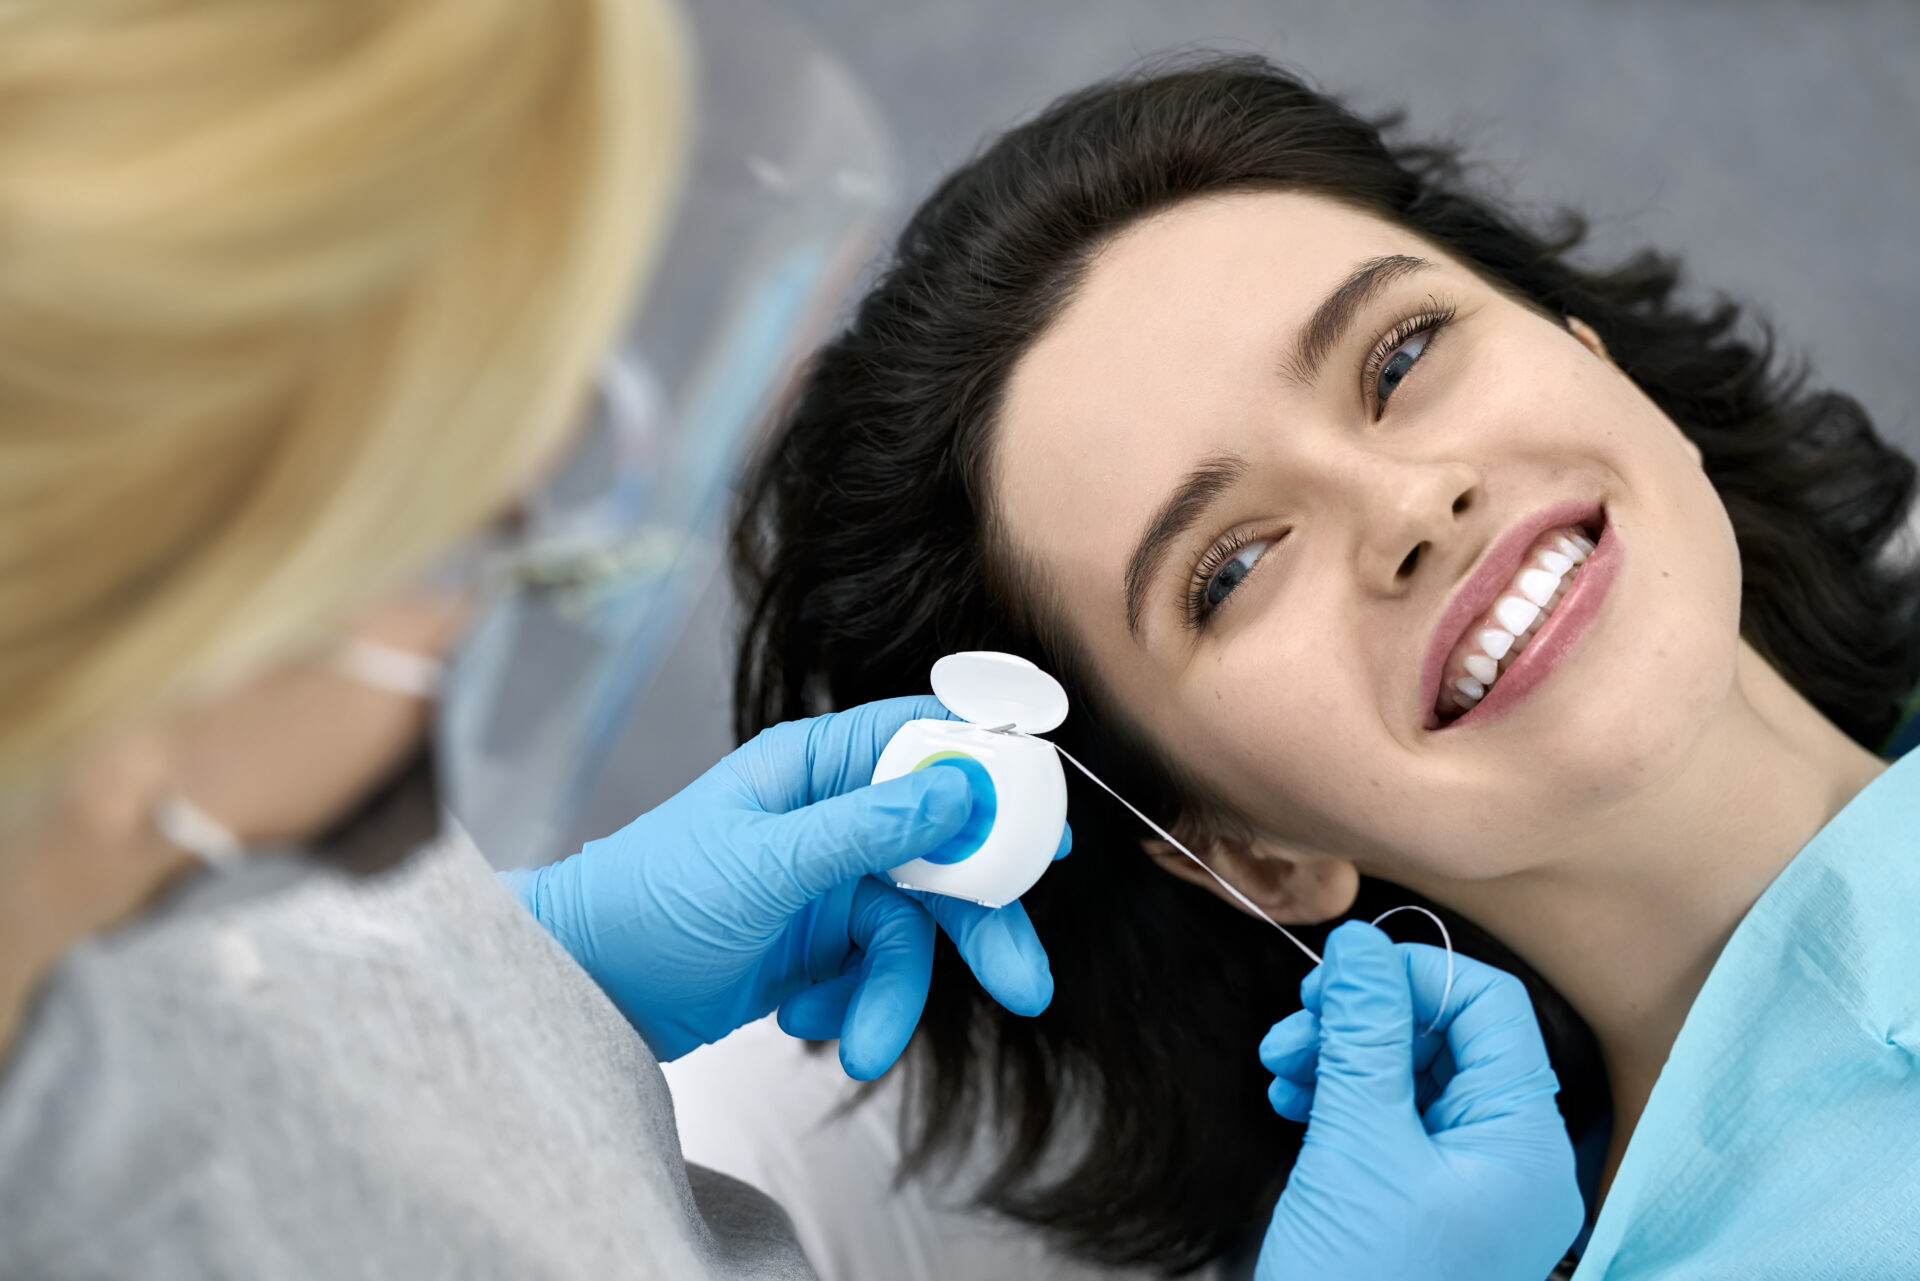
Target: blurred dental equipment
x,y
790,181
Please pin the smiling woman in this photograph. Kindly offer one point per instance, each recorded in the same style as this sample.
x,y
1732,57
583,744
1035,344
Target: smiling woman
x,y
1387,555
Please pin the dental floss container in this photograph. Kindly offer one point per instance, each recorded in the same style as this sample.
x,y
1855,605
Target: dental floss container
x,y
1019,788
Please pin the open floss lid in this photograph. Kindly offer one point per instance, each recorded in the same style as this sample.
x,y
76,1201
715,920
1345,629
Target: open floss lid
x,y
998,691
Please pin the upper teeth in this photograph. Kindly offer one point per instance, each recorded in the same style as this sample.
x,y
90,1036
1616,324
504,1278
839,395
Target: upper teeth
x,y
1517,615
1538,585
1488,650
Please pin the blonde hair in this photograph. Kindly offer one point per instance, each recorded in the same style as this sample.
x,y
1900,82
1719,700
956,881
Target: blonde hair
x,y
291,295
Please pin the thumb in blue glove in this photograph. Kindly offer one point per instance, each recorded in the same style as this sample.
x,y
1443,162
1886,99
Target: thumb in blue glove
x,y
753,890
1428,1154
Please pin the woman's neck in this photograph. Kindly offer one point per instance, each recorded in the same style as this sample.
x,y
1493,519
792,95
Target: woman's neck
x,y
1628,933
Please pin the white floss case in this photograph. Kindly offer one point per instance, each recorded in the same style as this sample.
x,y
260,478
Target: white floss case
x,y
1020,791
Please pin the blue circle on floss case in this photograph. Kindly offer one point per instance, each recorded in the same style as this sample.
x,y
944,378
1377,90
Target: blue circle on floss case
x,y
986,803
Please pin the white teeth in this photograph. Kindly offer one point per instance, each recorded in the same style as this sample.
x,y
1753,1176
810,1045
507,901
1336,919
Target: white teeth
x,y
1536,589
1515,614
1537,585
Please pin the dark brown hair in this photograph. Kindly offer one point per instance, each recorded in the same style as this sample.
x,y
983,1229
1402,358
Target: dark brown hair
x,y
1131,1117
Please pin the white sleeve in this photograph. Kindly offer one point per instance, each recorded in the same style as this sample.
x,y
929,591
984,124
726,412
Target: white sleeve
x,y
760,1107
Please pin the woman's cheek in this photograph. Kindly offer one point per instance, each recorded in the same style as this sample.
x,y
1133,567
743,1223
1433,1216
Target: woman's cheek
x,y
1277,742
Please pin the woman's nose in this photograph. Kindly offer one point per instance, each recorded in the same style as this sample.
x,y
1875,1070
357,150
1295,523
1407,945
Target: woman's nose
x,y
1408,513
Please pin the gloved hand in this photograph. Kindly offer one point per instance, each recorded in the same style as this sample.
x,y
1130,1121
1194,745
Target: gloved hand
x,y
750,890
1428,1154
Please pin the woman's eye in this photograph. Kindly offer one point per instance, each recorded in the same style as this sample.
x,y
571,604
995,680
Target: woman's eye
x,y
1400,364
1230,575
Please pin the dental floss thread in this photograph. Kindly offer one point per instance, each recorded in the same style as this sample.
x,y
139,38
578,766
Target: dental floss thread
x,y
1446,938
1169,838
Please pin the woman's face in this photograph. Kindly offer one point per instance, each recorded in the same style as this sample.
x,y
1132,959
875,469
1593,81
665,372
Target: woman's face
x,y
1287,475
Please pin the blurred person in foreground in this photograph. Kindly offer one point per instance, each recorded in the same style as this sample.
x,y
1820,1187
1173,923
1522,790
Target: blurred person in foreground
x,y
293,299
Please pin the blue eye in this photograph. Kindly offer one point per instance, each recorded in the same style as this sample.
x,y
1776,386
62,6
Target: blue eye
x,y
1231,574
1400,364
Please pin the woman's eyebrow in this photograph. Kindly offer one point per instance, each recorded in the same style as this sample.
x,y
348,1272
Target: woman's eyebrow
x,y
1182,510
1335,314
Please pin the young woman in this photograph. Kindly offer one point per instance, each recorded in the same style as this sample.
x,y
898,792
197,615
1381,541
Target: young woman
x,y
1388,554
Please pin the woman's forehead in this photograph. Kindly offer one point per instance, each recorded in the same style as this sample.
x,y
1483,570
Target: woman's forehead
x,y
1173,343
1287,248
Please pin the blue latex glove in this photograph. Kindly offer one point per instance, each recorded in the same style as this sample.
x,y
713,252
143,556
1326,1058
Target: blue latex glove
x,y
751,890
1428,1154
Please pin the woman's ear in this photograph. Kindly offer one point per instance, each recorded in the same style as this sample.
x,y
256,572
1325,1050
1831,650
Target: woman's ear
x,y
1294,887
1591,341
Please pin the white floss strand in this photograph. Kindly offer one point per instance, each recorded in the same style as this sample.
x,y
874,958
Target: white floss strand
x,y
1199,862
1445,937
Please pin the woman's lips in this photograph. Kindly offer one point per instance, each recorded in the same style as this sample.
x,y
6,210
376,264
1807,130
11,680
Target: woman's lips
x,y
1492,577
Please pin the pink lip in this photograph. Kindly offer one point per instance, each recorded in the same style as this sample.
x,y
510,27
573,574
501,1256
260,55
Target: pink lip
x,y
1474,597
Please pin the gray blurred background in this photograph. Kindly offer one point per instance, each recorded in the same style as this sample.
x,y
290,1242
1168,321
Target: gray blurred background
x,y
1773,144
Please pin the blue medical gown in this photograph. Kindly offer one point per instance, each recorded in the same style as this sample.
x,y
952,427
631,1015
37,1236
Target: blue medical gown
x,y
1782,1138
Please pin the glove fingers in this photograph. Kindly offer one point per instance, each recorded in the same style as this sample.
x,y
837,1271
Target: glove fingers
x,y
1366,1032
1291,1101
1430,1082
1291,1051
1487,1004
1493,1042
1291,1048
1428,969
867,830
817,1013
801,762
999,946
1434,999
1510,1076
897,936
843,747
1427,977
